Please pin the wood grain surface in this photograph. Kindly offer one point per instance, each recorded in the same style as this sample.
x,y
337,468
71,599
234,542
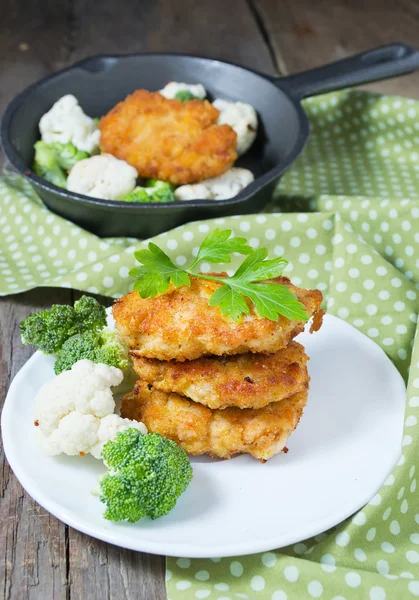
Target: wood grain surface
x,y
40,557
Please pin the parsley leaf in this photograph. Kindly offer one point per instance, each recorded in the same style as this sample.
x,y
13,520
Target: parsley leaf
x,y
218,247
247,285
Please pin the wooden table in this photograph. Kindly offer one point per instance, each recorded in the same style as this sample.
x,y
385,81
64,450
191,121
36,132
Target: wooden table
x,y
40,557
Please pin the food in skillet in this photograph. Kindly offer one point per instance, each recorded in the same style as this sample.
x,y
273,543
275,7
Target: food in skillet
x,y
179,142
173,138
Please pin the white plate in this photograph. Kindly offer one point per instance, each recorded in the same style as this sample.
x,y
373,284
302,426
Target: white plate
x,y
348,441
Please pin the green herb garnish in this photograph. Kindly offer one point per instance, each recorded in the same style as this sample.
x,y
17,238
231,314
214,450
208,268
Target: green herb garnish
x,y
157,272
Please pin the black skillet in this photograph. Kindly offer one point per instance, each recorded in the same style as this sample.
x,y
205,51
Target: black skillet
x,y
102,81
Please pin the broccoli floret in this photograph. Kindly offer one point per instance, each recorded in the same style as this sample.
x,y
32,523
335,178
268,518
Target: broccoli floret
x,y
77,347
49,329
185,96
147,474
154,190
89,314
99,347
138,194
67,155
47,166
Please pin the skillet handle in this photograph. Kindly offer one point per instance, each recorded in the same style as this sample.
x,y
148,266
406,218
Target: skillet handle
x,y
379,63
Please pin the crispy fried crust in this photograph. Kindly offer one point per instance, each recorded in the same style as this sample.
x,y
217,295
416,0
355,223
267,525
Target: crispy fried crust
x,y
168,139
221,433
244,380
180,325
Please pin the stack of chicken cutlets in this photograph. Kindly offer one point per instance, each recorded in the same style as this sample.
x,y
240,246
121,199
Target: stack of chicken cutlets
x,y
213,385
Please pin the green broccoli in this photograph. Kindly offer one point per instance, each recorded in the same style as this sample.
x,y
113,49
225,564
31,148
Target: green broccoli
x,y
67,155
185,96
89,314
99,347
47,166
53,160
147,474
154,190
49,329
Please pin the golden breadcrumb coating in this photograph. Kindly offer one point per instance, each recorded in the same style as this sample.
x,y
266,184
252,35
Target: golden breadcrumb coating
x,y
243,380
260,432
180,325
176,141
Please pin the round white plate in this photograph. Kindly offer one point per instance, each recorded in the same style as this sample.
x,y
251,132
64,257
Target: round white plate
x,y
348,441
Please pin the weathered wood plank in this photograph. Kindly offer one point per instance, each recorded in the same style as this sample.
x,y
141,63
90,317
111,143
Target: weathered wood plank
x,y
32,542
307,34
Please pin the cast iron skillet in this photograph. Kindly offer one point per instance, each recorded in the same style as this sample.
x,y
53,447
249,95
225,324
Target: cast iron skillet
x,y
102,81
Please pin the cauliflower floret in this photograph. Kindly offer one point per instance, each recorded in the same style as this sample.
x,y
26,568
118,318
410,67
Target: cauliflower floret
x,y
102,176
74,411
109,427
173,87
242,118
227,185
75,434
66,122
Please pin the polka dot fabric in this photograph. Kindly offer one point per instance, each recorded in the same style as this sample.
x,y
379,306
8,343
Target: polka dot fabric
x,y
346,216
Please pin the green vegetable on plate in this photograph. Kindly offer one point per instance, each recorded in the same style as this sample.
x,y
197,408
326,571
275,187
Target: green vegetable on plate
x,y
100,347
158,271
146,475
49,329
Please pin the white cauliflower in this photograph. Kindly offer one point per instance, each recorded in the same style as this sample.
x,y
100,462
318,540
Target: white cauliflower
x,y
74,411
242,118
227,185
102,176
173,87
67,122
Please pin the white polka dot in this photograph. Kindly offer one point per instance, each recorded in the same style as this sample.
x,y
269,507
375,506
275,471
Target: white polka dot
x,y
108,281
386,513
371,309
304,258
236,568
371,534
183,563
286,226
183,585
269,559
377,593
396,282
320,249
356,298
257,583
387,547
221,587
399,306
300,548
171,244
353,579
202,575
279,595
413,587
188,236
343,539
202,594
315,589
204,228
311,233
360,555
413,557
114,258
383,567
291,573
381,271
97,267
359,519
328,563
81,276
295,242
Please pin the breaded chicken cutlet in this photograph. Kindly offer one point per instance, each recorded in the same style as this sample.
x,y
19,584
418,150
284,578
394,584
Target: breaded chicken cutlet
x,y
243,380
175,141
180,325
220,433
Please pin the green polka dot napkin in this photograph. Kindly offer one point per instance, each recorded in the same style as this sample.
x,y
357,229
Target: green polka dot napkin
x,y
347,218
